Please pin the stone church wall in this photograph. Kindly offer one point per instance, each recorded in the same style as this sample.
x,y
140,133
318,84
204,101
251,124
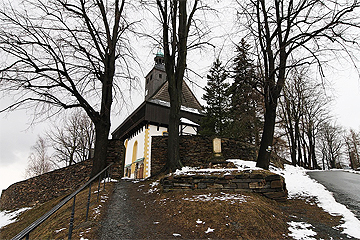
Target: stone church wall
x,y
198,150
53,184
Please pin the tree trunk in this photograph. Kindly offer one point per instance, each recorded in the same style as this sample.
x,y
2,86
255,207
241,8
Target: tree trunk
x,y
263,160
101,144
102,120
173,162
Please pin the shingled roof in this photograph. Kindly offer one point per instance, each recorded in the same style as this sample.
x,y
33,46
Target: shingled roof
x,y
188,98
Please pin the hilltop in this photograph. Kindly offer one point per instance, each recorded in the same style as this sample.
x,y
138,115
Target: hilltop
x,y
140,209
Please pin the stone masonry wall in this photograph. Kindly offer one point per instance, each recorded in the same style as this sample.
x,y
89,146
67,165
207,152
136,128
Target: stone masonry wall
x,y
50,185
197,150
260,181
47,186
116,154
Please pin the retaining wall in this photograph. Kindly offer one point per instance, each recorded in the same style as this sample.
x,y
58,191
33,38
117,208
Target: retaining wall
x,y
197,151
260,181
53,184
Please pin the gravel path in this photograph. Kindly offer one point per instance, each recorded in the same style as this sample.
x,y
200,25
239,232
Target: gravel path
x,y
128,216
119,221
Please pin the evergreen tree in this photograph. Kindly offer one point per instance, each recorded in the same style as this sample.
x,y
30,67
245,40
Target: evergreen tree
x,y
245,102
216,97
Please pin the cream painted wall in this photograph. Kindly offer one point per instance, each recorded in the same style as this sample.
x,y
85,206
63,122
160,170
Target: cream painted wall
x,y
140,138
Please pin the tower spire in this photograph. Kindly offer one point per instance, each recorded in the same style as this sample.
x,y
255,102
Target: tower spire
x,y
159,57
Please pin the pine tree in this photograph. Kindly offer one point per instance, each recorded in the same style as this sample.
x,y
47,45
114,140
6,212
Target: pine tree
x,y
245,106
216,97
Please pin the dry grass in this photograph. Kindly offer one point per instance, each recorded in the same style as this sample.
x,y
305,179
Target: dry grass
x,y
163,214
57,226
255,218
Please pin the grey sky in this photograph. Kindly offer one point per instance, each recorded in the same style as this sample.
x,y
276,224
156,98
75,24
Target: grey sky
x,y
16,138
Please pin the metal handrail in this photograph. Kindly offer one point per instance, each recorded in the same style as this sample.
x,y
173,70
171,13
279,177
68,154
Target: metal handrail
x,y
25,233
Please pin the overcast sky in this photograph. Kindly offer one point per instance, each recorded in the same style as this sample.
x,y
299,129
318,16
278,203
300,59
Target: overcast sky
x,y
17,136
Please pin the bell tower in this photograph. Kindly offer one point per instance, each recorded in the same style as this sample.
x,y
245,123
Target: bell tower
x,y
156,77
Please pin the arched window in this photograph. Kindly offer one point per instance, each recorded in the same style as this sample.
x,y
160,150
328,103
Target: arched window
x,y
134,156
126,143
134,151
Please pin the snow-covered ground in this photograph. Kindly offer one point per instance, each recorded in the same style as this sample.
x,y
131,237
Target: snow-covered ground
x,y
7,217
299,184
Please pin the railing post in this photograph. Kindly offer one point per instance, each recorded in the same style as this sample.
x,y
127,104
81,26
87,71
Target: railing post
x,y
104,179
26,232
110,169
88,203
72,219
98,191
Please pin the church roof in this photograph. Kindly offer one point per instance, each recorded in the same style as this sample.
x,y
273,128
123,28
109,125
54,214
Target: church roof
x,y
188,98
156,107
155,112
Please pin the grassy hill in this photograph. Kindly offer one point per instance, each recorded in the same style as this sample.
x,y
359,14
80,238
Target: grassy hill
x,y
187,214
56,227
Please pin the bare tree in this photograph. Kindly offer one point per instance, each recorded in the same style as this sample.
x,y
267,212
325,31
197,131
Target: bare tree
x,y
304,107
73,139
331,144
352,143
63,54
176,23
39,161
282,29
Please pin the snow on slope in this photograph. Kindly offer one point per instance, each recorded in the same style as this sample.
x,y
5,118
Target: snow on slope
x,y
299,184
7,217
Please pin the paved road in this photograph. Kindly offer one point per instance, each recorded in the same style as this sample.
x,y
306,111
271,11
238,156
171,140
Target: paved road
x,y
344,185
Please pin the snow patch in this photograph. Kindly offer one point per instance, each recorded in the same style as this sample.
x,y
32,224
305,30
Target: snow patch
x,y
189,122
244,165
108,180
301,230
232,198
59,230
299,184
7,217
209,230
199,222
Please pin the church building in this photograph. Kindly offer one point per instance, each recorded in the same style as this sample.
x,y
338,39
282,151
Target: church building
x,y
151,118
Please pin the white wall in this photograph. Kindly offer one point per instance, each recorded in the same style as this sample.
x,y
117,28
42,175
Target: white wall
x,y
140,138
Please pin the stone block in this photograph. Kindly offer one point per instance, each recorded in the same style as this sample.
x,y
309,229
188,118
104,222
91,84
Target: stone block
x,y
202,186
207,180
182,185
277,184
272,177
257,175
244,180
242,185
223,181
257,180
256,185
219,186
227,177
243,176
231,185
